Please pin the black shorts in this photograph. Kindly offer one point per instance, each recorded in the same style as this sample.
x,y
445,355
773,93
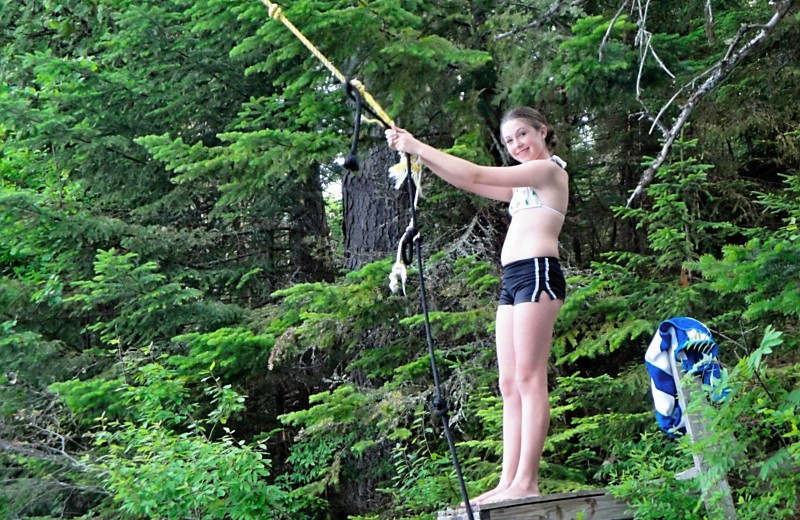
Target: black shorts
x,y
525,280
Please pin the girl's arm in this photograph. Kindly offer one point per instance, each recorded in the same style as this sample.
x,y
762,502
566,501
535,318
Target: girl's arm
x,y
462,182
472,177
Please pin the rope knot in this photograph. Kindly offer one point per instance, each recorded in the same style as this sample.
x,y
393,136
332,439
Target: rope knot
x,y
439,406
410,170
397,278
275,11
407,243
358,85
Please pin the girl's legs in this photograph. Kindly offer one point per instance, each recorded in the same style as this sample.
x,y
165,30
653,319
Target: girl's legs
x,y
532,338
512,406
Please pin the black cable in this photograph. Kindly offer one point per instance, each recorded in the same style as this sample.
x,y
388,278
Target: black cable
x,y
439,404
351,162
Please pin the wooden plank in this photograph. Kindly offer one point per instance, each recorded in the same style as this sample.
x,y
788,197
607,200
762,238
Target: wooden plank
x,y
594,504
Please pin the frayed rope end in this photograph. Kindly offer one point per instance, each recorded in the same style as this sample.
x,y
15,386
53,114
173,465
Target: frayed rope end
x,y
397,278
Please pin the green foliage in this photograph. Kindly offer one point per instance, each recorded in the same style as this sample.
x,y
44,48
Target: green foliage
x,y
422,479
138,291
629,292
92,398
762,275
757,419
162,464
581,53
648,460
166,249
231,351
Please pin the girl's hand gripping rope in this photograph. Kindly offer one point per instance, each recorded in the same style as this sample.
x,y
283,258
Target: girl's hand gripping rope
x,y
401,140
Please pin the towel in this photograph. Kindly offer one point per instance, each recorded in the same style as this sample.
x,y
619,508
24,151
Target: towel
x,y
697,353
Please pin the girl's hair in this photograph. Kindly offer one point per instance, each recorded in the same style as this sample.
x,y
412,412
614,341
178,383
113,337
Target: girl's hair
x,y
536,120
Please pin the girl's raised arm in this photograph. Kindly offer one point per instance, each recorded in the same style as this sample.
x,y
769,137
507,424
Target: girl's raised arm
x,y
490,181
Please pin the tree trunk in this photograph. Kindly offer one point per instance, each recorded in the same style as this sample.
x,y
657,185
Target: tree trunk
x,y
375,214
310,256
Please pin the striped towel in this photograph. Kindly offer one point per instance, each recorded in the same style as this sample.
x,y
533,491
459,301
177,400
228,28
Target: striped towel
x,y
697,353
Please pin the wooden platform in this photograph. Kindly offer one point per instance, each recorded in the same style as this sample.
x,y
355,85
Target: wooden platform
x,y
594,504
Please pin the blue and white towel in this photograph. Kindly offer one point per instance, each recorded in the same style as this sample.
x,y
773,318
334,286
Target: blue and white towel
x,y
697,353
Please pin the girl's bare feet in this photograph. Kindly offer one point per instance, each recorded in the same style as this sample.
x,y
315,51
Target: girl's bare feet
x,y
485,496
513,492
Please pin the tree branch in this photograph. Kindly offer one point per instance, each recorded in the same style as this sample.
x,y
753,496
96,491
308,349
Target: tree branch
x,y
608,31
718,73
60,457
551,11
710,22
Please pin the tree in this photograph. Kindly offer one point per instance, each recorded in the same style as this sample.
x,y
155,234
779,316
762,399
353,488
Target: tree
x,y
374,213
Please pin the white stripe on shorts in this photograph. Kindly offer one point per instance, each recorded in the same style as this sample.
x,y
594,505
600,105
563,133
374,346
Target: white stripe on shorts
x,y
536,276
547,279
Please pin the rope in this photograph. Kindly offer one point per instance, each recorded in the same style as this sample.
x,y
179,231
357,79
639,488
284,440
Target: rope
x,y
439,404
405,247
411,238
276,13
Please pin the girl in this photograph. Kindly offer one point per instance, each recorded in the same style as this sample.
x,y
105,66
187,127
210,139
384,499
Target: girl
x,y
533,287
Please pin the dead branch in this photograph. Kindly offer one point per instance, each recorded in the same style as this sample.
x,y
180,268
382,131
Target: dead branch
x,y
54,483
710,22
716,75
646,114
551,11
644,39
608,31
57,456
657,119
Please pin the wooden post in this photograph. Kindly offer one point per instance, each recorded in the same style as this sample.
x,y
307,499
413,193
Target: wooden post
x,y
690,390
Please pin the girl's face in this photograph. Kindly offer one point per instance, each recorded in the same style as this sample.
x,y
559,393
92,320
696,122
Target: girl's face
x,y
523,141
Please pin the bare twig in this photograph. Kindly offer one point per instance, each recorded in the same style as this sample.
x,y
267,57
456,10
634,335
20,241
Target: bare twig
x,y
657,121
644,41
642,59
551,11
646,111
646,114
642,21
30,482
718,73
608,31
658,60
710,22
36,452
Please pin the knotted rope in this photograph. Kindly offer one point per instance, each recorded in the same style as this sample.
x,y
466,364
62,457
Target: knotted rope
x,y
410,170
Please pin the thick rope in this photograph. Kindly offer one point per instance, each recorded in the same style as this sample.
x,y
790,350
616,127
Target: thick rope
x,y
276,13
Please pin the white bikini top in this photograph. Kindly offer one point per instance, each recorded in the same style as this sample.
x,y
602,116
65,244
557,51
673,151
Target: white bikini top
x,y
526,198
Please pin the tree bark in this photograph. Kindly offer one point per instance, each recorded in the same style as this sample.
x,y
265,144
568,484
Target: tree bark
x,y
310,248
375,214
